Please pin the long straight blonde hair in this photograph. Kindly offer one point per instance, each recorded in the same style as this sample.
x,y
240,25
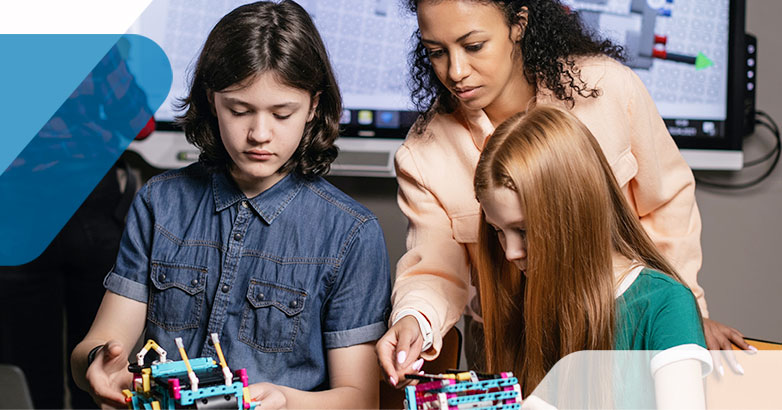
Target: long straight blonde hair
x,y
576,216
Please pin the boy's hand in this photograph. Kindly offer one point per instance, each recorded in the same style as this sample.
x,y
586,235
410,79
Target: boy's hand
x,y
270,396
398,351
108,375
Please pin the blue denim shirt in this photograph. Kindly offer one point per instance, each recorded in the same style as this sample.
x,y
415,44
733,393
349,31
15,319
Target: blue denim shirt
x,y
282,277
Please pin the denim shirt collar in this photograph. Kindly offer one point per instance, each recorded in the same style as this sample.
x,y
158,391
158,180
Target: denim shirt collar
x,y
268,204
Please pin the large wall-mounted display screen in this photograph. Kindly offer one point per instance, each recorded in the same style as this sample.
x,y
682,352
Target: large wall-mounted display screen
x,y
689,53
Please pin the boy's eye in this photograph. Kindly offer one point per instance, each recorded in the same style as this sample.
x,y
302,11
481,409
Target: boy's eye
x,y
238,113
474,46
282,116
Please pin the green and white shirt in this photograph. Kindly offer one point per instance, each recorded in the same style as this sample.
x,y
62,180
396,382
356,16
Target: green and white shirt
x,y
657,313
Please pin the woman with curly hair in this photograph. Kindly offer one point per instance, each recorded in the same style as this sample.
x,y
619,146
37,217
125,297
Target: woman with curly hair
x,y
476,63
250,242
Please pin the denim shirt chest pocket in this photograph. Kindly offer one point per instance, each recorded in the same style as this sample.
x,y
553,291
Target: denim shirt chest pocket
x,y
272,316
176,295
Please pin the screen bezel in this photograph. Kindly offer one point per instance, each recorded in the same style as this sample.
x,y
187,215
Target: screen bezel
x,y
734,118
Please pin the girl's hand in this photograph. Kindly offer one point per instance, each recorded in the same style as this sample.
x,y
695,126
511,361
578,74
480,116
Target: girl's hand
x,y
398,351
270,396
720,337
108,375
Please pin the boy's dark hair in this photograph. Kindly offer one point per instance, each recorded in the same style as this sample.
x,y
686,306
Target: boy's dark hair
x,y
552,38
254,39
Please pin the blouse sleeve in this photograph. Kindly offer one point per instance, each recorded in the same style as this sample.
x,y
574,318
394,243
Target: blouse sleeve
x,y
663,190
433,276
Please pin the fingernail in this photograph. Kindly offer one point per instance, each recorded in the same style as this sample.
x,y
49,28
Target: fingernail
x,y
421,372
418,363
753,349
392,380
720,370
740,369
401,356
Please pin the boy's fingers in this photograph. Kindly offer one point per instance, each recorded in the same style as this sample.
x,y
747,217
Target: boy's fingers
x,y
111,350
109,395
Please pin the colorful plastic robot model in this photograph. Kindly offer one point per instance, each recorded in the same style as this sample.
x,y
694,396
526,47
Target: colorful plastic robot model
x,y
466,390
198,383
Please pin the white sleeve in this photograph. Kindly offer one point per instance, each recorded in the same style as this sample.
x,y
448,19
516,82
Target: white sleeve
x,y
423,325
683,352
678,385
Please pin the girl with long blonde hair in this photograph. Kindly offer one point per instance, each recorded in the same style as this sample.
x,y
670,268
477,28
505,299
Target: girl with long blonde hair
x,y
564,264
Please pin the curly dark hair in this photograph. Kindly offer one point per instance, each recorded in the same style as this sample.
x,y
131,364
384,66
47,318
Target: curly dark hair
x,y
251,40
553,37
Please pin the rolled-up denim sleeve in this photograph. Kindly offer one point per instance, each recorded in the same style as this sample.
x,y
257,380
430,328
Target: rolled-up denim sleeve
x,y
129,276
359,302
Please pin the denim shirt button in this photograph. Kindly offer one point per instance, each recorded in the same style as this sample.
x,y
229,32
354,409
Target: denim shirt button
x,y
162,277
293,304
225,288
209,341
238,236
245,205
260,296
194,282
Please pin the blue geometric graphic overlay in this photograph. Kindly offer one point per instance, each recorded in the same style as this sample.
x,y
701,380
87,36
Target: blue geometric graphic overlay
x,y
47,181
38,72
